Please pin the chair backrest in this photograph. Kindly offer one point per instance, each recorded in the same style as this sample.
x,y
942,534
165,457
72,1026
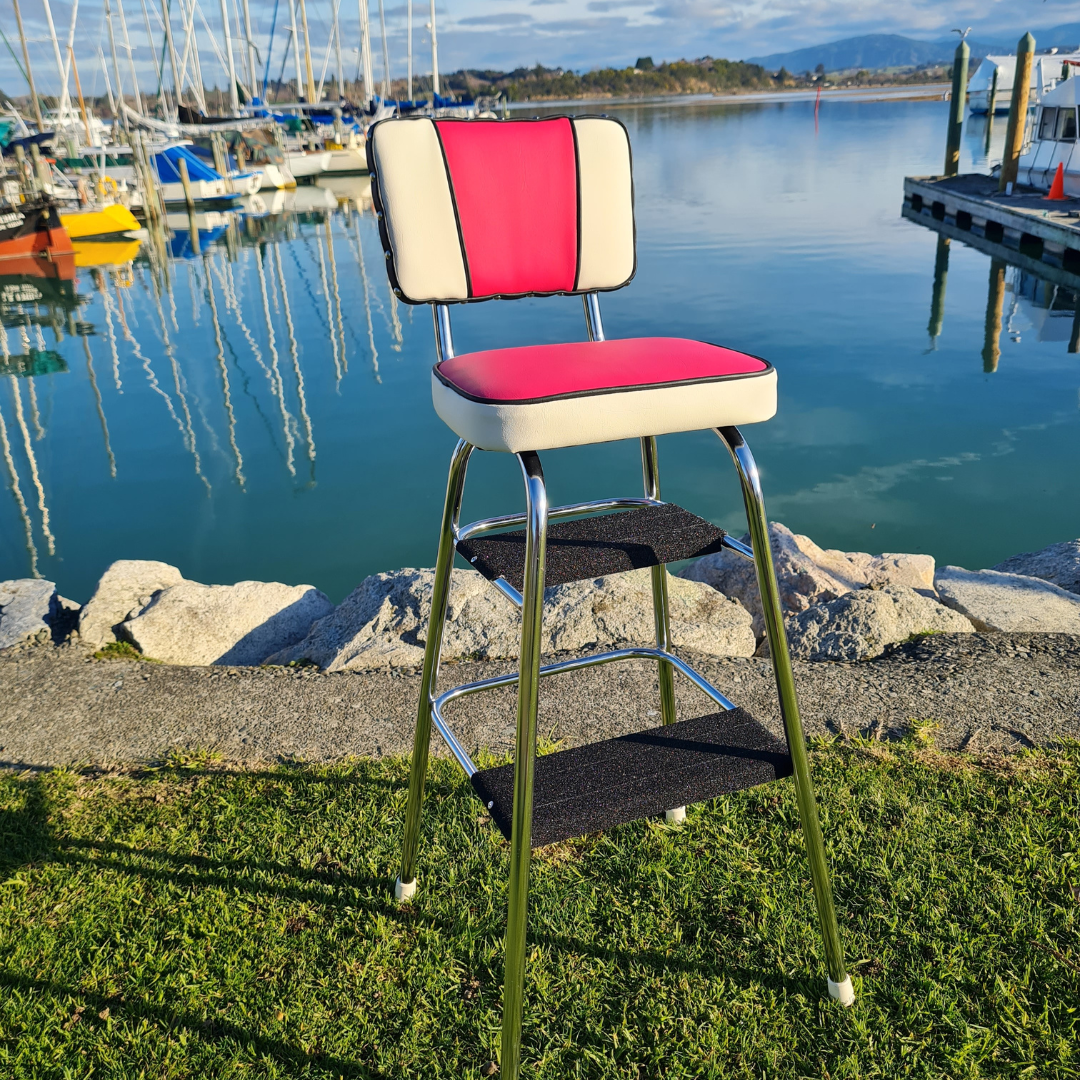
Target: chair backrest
x,y
480,209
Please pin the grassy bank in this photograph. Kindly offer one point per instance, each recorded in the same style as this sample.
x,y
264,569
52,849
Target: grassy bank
x,y
194,922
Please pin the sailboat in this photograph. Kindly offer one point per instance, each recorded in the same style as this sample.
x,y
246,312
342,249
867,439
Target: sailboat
x,y
33,241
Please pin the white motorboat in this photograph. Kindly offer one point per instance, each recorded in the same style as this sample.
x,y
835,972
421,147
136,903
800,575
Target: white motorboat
x,y
271,176
306,164
1047,71
1053,141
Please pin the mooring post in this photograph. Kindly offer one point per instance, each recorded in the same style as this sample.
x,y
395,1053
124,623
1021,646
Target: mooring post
x,y
995,302
937,297
1018,110
956,109
991,105
1074,337
193,225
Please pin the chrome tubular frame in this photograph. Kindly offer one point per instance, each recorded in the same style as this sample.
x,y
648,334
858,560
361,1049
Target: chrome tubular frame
x,y
455,486
530,600
638,653
444,339
839,982
593,323
650,470
532,613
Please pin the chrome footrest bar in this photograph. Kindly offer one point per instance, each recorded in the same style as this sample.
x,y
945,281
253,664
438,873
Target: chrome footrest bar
x,y
510,679
485,525
745,550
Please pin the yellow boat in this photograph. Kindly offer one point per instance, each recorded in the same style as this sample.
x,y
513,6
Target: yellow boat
x,y
105,252
111,220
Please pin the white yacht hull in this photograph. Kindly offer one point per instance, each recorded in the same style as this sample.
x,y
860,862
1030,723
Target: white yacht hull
x,y
306,164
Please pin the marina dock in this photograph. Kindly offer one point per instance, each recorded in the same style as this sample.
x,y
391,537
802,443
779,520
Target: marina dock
x,y
1026,221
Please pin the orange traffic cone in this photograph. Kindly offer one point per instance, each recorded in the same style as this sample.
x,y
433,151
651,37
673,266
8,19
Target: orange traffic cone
x,y
1057,188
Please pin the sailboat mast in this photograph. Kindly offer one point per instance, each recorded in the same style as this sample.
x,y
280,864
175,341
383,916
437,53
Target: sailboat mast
x,y
296,49
337,47
29,73
408,8
116,66
177,90
385,54
253,74
310,91
434,58
234,98
164,102
131,60
61,69
365,51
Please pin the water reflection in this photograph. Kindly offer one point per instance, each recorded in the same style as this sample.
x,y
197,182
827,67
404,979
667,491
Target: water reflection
x,y
238,283
279,356
1045,295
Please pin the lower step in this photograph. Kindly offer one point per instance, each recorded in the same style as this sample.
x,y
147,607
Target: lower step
x,y
619,780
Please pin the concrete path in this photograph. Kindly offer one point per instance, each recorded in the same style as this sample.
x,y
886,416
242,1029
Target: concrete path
x,y
988,692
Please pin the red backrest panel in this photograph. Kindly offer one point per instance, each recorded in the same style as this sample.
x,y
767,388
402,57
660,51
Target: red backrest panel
x,y
515,190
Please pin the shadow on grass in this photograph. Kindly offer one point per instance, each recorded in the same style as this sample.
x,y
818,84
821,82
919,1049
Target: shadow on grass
x,y
228,873
215,1030
25,833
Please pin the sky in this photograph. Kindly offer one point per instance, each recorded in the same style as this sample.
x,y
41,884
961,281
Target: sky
x,y
504,34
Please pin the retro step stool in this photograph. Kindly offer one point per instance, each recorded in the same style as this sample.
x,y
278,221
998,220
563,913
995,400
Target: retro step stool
x,y
496,209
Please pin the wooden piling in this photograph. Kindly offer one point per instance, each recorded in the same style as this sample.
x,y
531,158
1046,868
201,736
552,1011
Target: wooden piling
x,y
991,106
185,180
190,200
956,109
41,167
1074,337
1018,110
995,302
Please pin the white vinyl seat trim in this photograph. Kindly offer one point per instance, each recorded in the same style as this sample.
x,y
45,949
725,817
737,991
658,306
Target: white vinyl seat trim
x,y
606,417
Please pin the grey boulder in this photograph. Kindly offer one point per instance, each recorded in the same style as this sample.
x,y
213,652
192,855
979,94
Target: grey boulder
x,y
1008,602
808,575
860,624
383,622
28,609
1059,564
123,591
236,624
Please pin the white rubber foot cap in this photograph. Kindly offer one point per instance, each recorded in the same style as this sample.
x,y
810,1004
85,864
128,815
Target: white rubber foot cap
x,y
843,992
676,816
405,893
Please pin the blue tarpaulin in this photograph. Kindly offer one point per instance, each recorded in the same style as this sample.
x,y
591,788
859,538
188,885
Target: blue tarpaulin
x,y
168,165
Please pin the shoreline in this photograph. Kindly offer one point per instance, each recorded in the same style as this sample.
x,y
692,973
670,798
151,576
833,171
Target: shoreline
x,y
921,92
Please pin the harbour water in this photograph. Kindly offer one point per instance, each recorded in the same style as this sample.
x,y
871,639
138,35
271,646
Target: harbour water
x,y
262,409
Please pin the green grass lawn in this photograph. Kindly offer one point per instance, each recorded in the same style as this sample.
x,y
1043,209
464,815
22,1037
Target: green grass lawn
x,y
197,922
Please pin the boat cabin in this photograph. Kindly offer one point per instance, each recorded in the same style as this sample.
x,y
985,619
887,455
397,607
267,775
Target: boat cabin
x,y
1053,140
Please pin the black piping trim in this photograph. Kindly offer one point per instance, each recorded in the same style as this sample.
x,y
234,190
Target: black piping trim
x,y
457,216
605,389
384,236
577,180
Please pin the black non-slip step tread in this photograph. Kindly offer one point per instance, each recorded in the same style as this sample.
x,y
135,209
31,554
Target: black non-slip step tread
x,y
609,783
593,547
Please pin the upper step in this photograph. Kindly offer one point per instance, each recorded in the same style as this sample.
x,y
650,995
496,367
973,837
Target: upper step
x,y
608,783
594,547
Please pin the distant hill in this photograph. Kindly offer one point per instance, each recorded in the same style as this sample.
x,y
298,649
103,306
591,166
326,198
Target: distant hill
x,y
873,51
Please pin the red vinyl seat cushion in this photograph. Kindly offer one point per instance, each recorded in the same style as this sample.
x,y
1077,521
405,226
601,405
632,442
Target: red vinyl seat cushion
x,y
536,373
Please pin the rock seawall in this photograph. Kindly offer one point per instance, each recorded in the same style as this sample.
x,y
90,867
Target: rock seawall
x,y
838,605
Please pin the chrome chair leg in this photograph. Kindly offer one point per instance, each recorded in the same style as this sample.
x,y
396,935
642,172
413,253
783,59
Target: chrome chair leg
x,y
839,981
405,887
650,468
532,612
